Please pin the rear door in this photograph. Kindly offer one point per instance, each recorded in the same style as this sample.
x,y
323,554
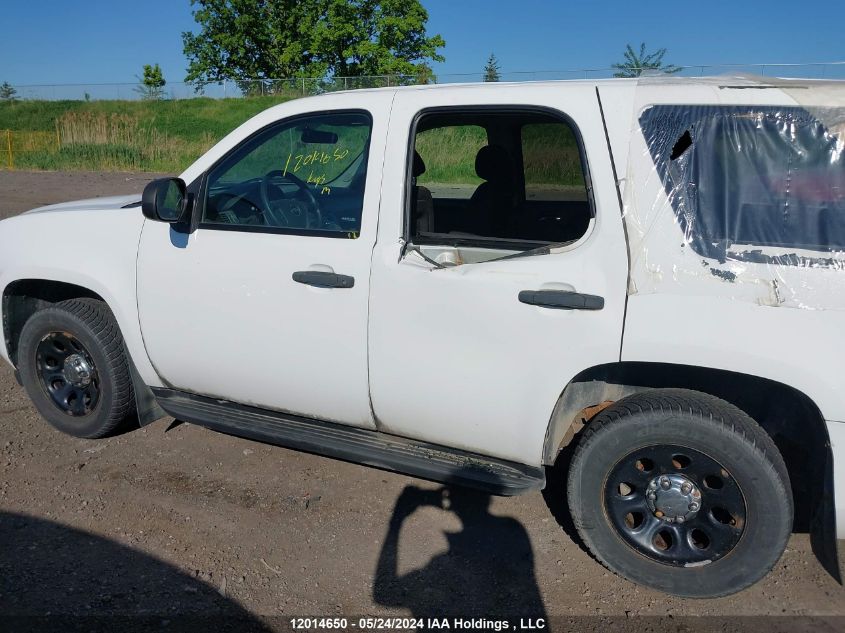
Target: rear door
x,y
475,355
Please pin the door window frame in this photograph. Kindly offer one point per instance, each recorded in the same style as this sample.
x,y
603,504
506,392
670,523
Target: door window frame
x,y
491,242
199,187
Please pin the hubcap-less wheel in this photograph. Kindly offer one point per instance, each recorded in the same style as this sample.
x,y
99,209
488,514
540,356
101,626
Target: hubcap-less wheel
x,y
68,373
74,365
682,492
675,505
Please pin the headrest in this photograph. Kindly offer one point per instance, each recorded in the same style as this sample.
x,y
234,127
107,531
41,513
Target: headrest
x,y
418,167
493,163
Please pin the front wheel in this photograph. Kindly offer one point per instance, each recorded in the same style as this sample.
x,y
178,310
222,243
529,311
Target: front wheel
x,y
682,492
74,367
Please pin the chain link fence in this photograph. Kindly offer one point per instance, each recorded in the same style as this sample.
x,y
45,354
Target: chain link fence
x,y
115,138
298,87
306,86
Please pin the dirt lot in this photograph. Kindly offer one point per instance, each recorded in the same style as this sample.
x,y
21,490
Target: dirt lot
x,y
180,524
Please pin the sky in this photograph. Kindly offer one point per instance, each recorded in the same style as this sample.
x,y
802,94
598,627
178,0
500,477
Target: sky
x,y
104,41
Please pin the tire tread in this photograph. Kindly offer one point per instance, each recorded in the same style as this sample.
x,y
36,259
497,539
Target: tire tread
x,y
713,411
98,318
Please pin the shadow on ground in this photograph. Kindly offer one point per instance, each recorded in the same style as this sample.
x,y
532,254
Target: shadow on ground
x,y
487,572
53,578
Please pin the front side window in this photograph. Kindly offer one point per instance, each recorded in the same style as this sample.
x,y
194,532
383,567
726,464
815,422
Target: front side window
x,y
498,180
305,175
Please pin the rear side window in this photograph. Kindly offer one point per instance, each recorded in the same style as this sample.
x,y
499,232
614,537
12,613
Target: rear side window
x,y
741,177
552,163
503,180
450,153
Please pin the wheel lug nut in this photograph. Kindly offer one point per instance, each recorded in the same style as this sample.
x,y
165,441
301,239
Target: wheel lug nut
x,y
658,514
652,484
693,506
652,496
685,488
665,483
680,519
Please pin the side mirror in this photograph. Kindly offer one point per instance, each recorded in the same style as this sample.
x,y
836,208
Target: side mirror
x,y
165,200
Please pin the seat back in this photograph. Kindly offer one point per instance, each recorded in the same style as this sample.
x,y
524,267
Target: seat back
x,y
422,202
493,200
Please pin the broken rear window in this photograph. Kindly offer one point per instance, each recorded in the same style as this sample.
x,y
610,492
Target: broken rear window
x,y
756,176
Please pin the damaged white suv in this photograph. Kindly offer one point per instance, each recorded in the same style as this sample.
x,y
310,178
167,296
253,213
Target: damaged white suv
x,y
643,279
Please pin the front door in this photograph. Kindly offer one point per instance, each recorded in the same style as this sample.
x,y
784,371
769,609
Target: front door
x,y
266,302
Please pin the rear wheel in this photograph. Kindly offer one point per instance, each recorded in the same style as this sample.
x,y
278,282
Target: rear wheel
x,y
682,492
74,367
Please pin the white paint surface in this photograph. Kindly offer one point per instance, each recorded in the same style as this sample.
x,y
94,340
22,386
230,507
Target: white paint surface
x,y
446,355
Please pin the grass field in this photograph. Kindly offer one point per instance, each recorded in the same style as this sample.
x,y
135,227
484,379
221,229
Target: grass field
x,y
118,135
167,136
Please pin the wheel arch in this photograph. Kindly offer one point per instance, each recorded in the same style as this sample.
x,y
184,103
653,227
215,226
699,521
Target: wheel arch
x,y
790,417
24,297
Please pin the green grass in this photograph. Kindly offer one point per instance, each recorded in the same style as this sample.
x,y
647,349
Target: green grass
x,y
168,136
551,156
181,117
549,152
449,154
163,135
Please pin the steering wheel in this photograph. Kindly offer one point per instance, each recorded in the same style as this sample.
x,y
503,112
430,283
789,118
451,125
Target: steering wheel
x,y
292,216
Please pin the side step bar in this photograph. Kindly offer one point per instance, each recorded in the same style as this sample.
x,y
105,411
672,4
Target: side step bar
x,y
362,446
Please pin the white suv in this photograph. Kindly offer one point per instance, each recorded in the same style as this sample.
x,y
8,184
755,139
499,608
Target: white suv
x,y
464,283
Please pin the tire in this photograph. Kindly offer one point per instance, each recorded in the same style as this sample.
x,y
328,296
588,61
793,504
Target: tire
x,y
74,367
674,444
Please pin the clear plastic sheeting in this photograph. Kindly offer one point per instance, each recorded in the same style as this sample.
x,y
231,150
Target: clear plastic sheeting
x,y
735,187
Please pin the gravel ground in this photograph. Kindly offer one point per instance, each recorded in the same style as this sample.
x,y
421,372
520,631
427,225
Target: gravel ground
x,y
177,524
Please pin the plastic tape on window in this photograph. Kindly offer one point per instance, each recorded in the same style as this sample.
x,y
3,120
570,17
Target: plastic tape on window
x,y
742,197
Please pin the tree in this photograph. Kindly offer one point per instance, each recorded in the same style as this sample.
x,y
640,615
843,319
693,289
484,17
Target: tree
x,y
636,63
243,40
491,70
151,85
375,37
7,91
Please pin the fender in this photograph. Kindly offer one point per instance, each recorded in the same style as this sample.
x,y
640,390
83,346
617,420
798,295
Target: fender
x,y
99,255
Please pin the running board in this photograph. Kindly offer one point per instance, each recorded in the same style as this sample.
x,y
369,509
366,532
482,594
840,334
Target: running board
x,y
361,446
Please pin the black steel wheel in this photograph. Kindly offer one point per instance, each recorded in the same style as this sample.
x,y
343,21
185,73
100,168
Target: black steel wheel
x,y
68,373
74,367
675,505
681,492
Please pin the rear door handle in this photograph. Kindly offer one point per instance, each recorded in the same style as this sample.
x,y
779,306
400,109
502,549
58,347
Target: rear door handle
x,y
321,279
561,299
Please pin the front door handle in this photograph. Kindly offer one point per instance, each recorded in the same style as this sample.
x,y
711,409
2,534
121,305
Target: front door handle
x,y
321,279
561,299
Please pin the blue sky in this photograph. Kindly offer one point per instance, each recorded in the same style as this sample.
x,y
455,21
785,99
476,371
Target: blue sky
x,y
94,41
